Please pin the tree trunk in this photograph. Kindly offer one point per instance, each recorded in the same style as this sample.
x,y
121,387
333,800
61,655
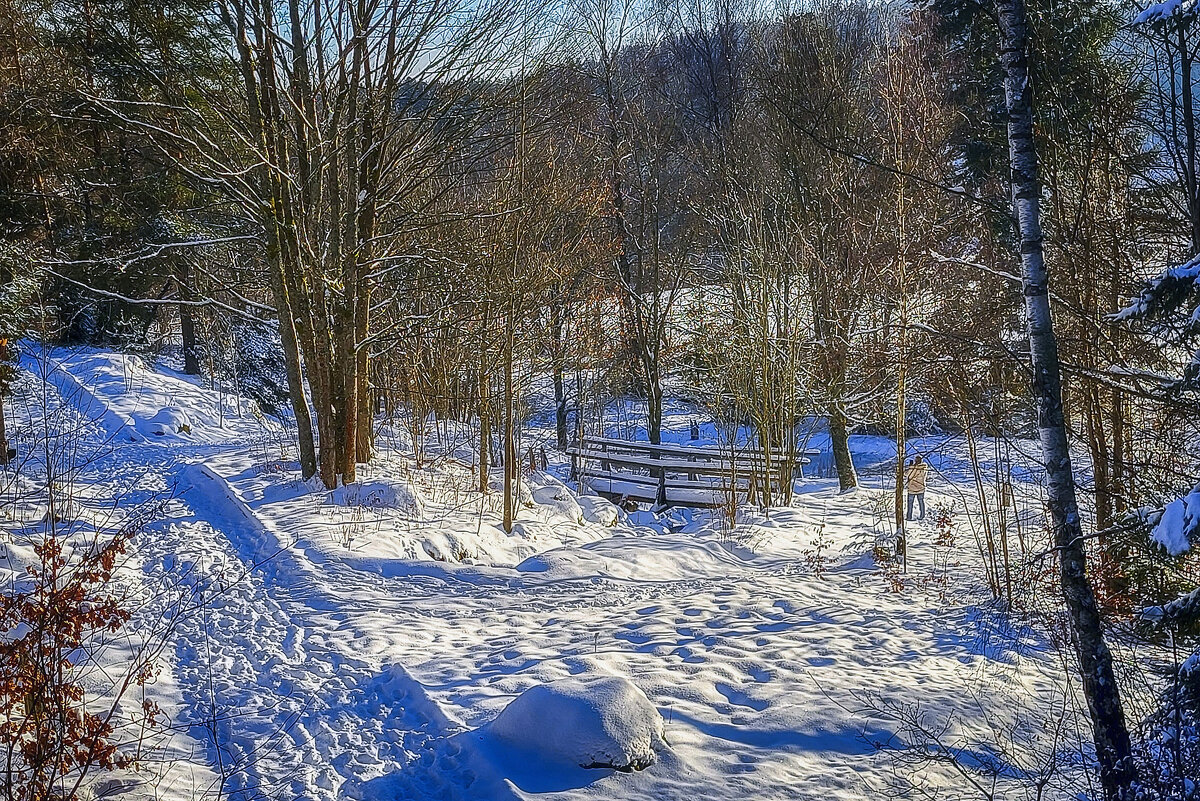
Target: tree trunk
x,y
510,445
578,423
3,428
1118,426
988,547
187,321
901,375
1097,439
291,361
322,374
269,209
901,423
1113,749
1191,180
354,197
560,408
558,345
349,362
366,400
901,447
654,396
839,437
485,430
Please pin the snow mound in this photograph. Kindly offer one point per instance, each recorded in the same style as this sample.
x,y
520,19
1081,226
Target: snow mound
x,y
377,495
603,722
548,491
453,546
168,421
599,510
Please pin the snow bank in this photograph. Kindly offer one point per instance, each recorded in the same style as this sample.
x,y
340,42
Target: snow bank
x,y
89,403
132,402
400,513
603,722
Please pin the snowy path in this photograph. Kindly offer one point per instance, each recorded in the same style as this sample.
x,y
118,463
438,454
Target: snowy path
x,y
273,683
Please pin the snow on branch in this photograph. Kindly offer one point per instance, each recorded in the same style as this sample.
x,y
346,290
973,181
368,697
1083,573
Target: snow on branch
x,y
1165,293
1179,523
1158,12
1183,609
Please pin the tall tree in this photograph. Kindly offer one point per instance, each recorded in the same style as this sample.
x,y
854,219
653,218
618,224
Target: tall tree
x,y
637,157
821,71
1114,751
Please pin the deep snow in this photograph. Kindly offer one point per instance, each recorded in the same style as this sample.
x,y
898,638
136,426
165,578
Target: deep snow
x,y
363,643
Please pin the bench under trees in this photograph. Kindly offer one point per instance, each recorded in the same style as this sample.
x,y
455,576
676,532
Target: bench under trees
x,y
678,475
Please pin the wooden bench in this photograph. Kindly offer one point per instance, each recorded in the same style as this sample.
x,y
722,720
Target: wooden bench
x,y
677,475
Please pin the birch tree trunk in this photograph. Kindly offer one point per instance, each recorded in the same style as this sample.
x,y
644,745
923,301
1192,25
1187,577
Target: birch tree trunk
x,y
1113,749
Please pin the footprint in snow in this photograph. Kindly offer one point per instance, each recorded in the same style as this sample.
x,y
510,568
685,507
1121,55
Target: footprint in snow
x,y
739,698
761,675
685,653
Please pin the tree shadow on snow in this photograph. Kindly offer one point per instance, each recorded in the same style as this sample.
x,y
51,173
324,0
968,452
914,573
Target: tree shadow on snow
x,y
485,768
854,742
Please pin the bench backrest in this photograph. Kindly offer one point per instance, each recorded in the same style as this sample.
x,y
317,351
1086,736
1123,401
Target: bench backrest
x,y
704,460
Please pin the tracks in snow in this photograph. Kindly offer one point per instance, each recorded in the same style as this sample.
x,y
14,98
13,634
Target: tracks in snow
x,y
269,679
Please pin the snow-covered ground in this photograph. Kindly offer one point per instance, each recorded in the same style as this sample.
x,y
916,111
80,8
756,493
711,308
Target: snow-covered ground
x,y
360,643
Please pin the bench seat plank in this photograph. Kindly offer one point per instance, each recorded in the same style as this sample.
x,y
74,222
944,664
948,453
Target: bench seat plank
x,y
588,476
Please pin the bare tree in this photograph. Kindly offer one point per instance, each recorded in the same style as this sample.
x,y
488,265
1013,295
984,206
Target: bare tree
x,y
344,128
650,262
821,71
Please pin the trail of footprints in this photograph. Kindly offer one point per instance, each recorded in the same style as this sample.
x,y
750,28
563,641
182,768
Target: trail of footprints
x,y
281,716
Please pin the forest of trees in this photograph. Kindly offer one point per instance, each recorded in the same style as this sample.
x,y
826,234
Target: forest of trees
x,y
855,212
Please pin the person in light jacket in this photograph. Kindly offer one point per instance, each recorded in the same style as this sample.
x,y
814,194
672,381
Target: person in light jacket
x,y
914,484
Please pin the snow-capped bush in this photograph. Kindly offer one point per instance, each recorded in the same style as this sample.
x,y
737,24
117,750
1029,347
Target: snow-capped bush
x,y
603,722
546,490
1179,523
